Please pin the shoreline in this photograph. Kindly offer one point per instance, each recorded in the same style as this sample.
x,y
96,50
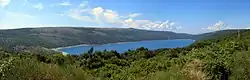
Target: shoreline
x,y
69,47
58,49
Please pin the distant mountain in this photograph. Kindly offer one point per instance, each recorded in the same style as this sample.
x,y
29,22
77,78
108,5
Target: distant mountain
x,y
67,36
217,34
53,37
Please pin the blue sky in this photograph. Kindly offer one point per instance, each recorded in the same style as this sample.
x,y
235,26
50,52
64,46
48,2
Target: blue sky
x,y
183,16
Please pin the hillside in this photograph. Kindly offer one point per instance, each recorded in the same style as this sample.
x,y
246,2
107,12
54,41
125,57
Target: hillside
x,y
53,37
217,34
68,36
223,58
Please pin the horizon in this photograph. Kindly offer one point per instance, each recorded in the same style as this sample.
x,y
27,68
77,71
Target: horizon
x,y
125,28
192,17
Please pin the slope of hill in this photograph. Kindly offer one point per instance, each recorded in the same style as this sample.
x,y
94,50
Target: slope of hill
x,y
68,36
221,58
53,37
217,34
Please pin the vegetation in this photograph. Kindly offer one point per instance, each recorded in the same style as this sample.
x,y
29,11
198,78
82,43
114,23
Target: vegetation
x,y
222,58
68,36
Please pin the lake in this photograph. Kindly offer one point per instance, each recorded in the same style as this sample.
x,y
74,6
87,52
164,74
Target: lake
x,y
124,46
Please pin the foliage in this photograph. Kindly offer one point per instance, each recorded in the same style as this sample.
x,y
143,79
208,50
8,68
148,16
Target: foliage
x,y
19,39
222,58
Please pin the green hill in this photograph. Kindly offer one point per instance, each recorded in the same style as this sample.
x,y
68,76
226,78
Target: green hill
x,y
53,37
68,36
217,34
225,57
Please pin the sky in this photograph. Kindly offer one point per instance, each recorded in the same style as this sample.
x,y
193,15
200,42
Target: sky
x,y
182,16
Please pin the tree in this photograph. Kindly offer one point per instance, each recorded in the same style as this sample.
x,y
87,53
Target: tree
x,y
116,54
91,50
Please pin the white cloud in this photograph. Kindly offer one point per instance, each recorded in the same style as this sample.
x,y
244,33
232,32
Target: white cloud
x,y
111,16
77,14
222,26
217,26
99,15
96,15
4,3
38,6
134,15
128,20
149,25
129,23
98,12
105,16
65,4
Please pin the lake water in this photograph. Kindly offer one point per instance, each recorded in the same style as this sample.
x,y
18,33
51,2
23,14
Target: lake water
x,y
124,46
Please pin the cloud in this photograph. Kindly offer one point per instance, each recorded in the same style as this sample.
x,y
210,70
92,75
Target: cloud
x,y
217,26
222,26
149,25
111,16
129,23
83,12
77,14
134,15
105,15
38,6
102,16
4,3
65,4
97,12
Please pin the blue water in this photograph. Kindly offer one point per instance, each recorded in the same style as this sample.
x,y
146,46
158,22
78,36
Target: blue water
x,y
123,47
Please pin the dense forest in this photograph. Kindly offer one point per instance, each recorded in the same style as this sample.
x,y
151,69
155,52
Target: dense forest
x,y
220,58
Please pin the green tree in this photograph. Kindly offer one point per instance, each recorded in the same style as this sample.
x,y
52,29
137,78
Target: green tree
x,y
91,50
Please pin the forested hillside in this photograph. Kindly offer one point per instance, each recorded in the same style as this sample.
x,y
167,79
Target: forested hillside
x,y
67,36
217,34
221,58
19,39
